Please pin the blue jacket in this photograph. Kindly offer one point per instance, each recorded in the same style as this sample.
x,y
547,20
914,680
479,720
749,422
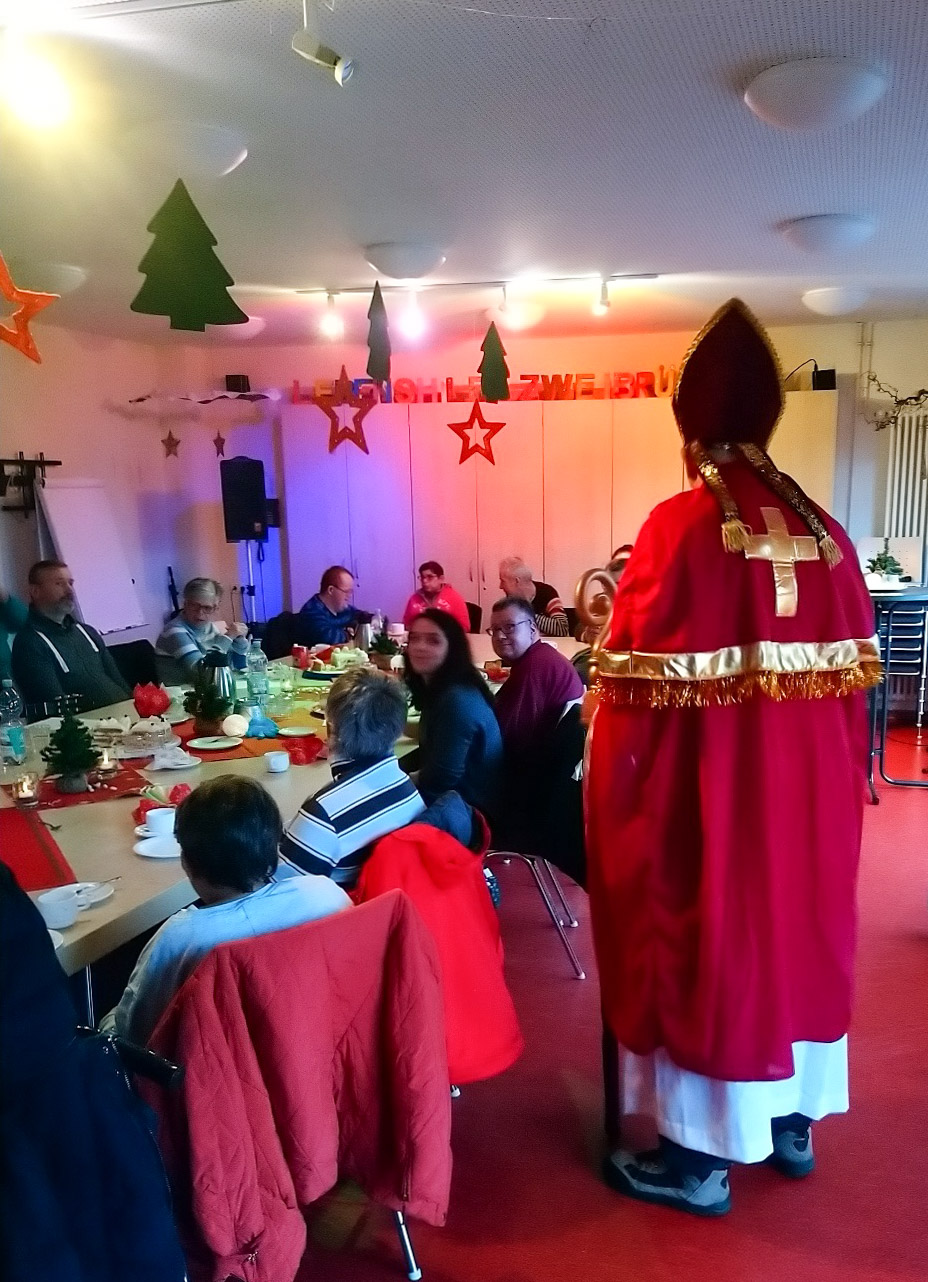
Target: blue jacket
x,y
461,749
317,625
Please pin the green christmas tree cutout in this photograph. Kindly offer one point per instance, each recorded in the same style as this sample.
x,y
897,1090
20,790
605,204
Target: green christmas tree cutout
x,y
184,278
493,370
378,338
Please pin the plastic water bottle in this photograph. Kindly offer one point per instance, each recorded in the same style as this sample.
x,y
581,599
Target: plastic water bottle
x,y
376,623
238,654
12,726
256,679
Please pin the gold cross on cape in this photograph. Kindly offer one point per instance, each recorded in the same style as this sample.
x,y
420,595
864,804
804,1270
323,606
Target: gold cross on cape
x,y
783,550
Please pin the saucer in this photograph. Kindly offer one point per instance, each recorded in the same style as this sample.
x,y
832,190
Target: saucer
x,y
94,892
295,732
157,848
214,742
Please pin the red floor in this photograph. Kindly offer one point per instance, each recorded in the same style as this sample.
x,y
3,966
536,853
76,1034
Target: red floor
x,y
527,1204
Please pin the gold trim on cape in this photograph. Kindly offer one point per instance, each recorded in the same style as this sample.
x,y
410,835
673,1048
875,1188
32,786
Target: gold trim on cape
x,y
774,669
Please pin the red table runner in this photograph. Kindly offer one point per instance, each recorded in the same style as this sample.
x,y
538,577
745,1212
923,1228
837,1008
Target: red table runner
x,y
124,783
31,851
308,746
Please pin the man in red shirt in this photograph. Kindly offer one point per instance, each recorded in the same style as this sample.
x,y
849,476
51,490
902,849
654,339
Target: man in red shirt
x,y
724,797
435,594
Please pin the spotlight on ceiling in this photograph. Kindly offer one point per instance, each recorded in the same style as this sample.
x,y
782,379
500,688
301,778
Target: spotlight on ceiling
x,y
602,304
307,44
815,93
404,260
836,300
331,326
828,233
412,322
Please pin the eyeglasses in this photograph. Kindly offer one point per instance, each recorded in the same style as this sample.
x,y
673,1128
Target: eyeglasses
x,y
509,630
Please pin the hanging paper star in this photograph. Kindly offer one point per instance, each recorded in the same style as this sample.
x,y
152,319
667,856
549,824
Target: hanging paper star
x,y
353,408
220,443
476,434
170,443
30,302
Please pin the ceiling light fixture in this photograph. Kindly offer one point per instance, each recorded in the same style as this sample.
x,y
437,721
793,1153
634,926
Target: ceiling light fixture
x,y
835,300
404,260
828,233
601,307
307,44
815,93
33,88
412,323
331,326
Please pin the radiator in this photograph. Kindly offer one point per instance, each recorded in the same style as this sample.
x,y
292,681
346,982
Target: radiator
x,y
907,482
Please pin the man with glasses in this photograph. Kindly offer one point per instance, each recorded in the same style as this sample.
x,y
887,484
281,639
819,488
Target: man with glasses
x,y
193,632
329,618
541,684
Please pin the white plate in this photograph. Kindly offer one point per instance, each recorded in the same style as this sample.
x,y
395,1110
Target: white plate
x,y
295,732
57,938
175,716
190,764
94,892
157,848
214,742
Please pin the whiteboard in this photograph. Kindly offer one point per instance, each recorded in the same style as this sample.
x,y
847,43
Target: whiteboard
x,y
83,528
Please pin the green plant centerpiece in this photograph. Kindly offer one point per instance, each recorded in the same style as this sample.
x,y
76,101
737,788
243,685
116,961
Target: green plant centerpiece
x,y
206,703
70,755
884,563
382,650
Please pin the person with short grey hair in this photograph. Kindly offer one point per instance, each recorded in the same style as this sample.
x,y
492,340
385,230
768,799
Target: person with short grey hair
x,y
193,632
369,796
515,579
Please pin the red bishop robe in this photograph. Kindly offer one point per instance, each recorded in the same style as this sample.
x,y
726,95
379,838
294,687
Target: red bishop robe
x,y
725,788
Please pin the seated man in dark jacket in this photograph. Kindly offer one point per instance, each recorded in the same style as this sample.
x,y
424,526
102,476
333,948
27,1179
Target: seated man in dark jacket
x,y
56,655
328,618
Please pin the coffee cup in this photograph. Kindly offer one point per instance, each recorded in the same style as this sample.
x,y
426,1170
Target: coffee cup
x,y
277,762
160,823
59,907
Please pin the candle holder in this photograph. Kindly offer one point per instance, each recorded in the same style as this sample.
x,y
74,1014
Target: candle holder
x,y
26,790
107,765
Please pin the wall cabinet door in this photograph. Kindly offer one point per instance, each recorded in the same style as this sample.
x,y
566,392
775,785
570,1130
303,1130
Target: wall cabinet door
x,y
647,463
380,512
315,493
804,444
510,495
577,491
444,497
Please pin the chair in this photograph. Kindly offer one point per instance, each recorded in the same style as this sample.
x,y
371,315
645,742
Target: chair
x,y
572,620
555,837
136,661
902,628
336,1026
279,635
475,615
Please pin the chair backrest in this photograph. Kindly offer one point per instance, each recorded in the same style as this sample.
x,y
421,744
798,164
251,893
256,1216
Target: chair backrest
x,y
279,635
136,661
572,619
474,615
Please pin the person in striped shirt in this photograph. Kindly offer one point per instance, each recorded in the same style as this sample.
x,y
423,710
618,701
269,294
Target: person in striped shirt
x,y
515,579
369,796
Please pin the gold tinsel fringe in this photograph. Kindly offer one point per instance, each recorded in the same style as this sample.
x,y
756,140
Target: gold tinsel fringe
x,y
831,552
735,535
721,691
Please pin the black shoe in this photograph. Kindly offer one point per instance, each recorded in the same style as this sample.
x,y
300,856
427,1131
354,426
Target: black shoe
x,y
792,1154
647,1177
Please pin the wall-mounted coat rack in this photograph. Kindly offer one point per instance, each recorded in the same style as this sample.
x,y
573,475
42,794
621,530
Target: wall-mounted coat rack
x,y
23,474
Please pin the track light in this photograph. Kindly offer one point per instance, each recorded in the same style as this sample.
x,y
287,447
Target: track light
x,y
412,322
331,326
307,44
601,307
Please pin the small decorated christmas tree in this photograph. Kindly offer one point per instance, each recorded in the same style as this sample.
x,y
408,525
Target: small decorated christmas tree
x,y
493,370
378,339
70,754
184,278
206,702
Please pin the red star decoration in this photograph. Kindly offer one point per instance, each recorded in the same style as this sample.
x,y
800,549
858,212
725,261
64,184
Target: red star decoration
x,y
476,434
170,443
30,302
220,443
342,396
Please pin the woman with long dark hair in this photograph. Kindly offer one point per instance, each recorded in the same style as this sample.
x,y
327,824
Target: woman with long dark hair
x,y
461,749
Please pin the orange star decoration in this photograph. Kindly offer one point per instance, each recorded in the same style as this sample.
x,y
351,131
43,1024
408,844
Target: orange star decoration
x,y
30,302
476,434
170,443
354,408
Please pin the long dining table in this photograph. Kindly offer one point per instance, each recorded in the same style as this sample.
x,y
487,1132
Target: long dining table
x,y
97,839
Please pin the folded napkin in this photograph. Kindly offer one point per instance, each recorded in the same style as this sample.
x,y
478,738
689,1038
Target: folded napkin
x,y
173,758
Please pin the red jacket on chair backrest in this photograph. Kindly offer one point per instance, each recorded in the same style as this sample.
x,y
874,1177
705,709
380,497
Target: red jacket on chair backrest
x,y
310,1054
445,881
